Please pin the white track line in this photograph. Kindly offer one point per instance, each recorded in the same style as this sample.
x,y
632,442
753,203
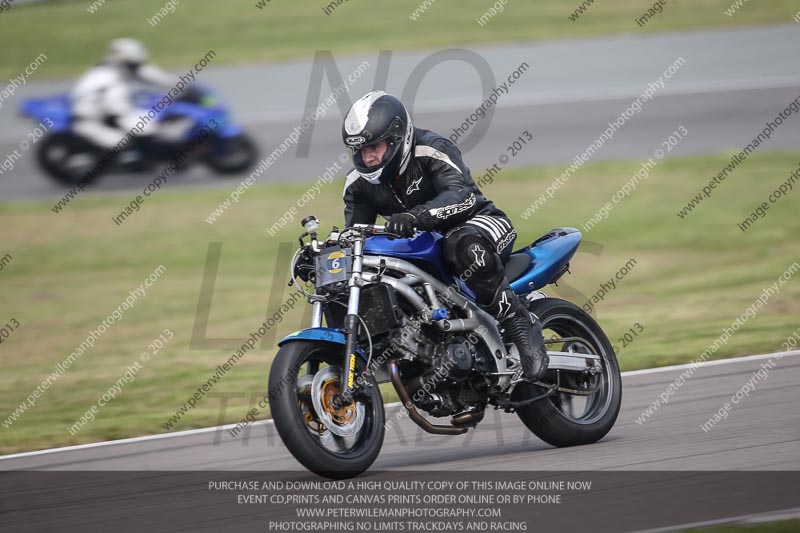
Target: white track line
x,y
394,404
715,362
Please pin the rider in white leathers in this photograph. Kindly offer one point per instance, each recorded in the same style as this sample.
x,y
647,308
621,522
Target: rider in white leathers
x,y
102,100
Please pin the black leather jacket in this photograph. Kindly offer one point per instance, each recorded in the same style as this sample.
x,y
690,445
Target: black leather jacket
x,y
437,187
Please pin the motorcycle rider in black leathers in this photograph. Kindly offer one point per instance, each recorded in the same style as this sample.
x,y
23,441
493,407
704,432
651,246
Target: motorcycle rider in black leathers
x,y
418,180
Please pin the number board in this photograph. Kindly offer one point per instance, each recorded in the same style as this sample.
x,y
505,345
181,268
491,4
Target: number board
x,y
333,265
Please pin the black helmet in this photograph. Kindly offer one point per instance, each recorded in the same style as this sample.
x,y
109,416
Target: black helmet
x,y
374,117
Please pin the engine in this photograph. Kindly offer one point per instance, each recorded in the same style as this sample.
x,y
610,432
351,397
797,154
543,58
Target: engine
x,y
442,373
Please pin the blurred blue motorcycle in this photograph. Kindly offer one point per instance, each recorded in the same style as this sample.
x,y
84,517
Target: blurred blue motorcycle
x,y
199,126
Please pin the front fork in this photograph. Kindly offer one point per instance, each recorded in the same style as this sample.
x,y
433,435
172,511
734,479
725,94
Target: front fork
x,y
351,326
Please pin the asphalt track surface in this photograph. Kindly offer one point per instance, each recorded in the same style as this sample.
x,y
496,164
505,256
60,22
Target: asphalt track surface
x,y
761,432
759,437
731,83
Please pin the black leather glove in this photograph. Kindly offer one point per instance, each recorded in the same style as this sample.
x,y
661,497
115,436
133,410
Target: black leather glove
x,y
402,224
425,221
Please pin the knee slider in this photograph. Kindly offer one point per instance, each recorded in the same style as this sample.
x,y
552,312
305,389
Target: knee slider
x,y
467,251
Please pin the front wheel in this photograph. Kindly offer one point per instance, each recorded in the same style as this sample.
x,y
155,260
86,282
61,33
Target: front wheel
x,y
336,443
566,419
69,159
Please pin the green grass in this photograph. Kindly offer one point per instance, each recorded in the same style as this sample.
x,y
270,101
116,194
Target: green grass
x,y
73,39
783,526
70,270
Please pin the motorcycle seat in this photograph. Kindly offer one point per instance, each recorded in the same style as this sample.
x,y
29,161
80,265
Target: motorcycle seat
x,y
517,265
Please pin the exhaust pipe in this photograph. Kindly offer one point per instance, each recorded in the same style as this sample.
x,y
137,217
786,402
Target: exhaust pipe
x,y
471,418
418,419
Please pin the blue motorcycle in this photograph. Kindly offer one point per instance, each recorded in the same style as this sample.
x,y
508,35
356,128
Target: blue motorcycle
x,y
393,313
201,126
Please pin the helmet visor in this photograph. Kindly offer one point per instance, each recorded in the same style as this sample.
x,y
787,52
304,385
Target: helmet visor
x,y
373,172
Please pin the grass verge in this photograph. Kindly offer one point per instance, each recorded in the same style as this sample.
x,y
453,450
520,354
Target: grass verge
x,y
73,38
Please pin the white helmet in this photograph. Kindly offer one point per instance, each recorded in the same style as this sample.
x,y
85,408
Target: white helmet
x,y
128,52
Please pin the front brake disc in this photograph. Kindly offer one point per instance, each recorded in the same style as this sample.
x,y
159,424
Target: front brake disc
x,y
344,421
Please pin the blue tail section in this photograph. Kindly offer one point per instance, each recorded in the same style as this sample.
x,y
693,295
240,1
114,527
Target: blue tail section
x,y
58,109
549,259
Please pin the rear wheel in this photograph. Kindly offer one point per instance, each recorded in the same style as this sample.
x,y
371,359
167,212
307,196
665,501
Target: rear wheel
x,y
332,442
231,155
567,419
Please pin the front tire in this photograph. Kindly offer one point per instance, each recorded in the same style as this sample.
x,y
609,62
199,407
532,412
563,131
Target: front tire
x,y
555,419
304,431
67,158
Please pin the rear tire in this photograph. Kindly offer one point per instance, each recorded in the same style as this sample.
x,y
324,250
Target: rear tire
x,y
549,419
231,155
287,401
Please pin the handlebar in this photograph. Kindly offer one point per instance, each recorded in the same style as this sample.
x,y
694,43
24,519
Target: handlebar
x,y
363,230
375,228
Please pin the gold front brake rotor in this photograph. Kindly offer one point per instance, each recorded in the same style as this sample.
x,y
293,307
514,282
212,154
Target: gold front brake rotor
x,y
341,416
311,420
308,413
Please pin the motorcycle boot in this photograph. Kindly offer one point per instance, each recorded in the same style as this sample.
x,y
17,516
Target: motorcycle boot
x,y
523,329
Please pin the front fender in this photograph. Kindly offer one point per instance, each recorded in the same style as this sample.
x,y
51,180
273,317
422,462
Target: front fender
x,y
332,335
